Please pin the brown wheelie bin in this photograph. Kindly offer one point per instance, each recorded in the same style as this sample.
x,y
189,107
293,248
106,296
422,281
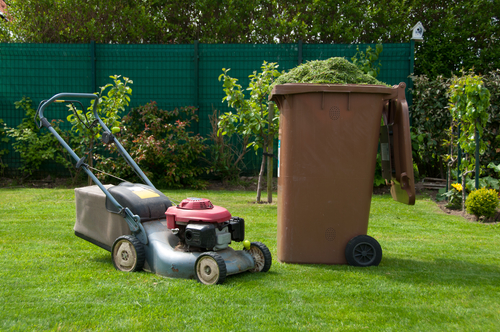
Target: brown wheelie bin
x,y
328,145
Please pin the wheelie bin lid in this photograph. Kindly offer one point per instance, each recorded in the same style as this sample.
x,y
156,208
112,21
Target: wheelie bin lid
x,y
298,88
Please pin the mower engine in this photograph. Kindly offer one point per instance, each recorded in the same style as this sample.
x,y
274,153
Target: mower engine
x,y
200,224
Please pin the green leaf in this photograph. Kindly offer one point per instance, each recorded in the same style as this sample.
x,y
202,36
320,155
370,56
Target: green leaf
x,y
496,168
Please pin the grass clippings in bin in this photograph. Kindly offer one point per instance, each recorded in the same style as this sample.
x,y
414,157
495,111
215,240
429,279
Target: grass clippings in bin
x,y
330,71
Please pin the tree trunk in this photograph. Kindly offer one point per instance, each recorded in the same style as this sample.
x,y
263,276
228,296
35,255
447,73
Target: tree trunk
x,y
90,160
440,162
270,152
261,177
270,173
448,178
463,193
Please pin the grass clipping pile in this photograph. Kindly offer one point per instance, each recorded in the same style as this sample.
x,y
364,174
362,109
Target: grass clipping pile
x,y
330,71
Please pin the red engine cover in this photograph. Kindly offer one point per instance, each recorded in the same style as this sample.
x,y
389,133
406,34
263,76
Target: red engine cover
x,y
196,209
196,204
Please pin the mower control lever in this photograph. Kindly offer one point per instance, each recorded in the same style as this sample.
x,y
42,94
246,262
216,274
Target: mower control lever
x,y
94,123
80,162
107,137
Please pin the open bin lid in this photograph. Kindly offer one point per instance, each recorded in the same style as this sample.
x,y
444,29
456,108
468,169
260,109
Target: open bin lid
x,y
397,129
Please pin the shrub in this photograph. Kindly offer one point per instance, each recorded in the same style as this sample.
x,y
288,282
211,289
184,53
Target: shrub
x,y
431,120
162,145
35,145
482,202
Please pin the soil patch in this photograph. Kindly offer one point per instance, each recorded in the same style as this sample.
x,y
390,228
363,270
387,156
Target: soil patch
x,y
493,220
48,182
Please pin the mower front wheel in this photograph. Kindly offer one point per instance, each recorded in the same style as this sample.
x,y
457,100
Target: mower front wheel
x,y
128,254
210,269
262,257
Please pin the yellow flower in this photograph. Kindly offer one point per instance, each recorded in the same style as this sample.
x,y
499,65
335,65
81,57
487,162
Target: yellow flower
x,y
457,186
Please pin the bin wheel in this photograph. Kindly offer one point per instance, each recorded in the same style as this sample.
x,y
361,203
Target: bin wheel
x,y
128,254
363,250
210,269
261,256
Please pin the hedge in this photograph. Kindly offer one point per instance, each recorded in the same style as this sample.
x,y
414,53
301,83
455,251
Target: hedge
x,y
431,119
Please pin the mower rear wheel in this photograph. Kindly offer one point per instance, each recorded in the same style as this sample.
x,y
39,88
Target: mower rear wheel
x,y
261,256
128,254
363,250
210,268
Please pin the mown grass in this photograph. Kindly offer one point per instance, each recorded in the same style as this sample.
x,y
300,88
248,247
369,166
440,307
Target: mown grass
x,y
438,273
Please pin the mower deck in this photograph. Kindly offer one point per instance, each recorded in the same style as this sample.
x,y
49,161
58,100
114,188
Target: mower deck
x,y
163,258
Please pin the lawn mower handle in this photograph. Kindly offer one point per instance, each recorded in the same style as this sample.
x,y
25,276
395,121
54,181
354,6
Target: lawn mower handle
x,y
62,97
132,220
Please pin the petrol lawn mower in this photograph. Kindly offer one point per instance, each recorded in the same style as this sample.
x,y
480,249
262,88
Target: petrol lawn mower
x,y
144,230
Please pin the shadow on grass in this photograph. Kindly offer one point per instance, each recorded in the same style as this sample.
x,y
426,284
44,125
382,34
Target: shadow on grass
x,y
104,259
439,271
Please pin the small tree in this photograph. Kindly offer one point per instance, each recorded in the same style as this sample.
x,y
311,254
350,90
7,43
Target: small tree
x,y
251,117
226,156
111,103
368,61
468,103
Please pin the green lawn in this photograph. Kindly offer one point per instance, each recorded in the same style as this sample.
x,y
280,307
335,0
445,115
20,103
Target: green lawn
x,y
438,273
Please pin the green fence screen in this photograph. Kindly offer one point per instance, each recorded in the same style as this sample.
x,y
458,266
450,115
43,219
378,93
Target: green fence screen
x,y
171,75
